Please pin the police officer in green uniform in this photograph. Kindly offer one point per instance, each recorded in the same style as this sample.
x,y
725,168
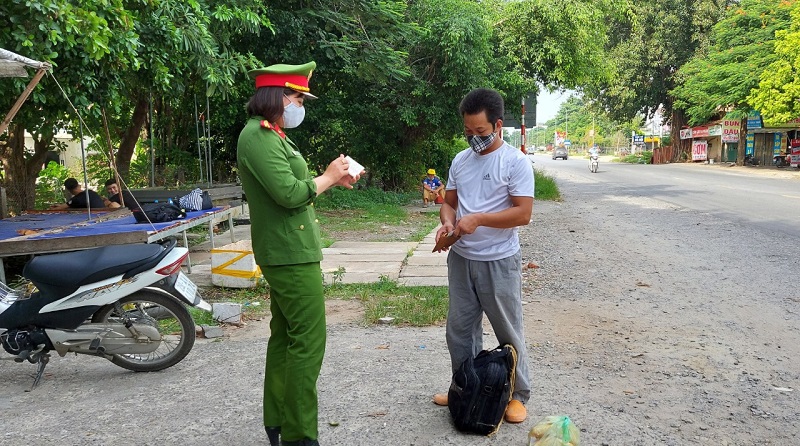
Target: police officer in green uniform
x,y
286,245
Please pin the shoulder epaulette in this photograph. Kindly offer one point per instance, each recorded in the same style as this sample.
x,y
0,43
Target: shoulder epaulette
x,y
266,125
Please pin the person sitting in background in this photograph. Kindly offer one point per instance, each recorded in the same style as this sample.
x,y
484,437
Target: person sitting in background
x,y
432,187
80,198
117,198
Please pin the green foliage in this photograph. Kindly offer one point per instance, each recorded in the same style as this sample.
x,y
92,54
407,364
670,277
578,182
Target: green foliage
x,y
50,185
639,158
546,187
98,167
741,51
340,198
140,167
80,36
557,44
779,85
648,43
390,74
578,118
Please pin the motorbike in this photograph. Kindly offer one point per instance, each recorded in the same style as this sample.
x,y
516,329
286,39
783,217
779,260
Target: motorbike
x,y
124,303
594,163
781,160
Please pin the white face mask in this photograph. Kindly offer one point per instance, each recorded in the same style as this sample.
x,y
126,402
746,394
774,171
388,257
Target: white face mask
x,y
293,115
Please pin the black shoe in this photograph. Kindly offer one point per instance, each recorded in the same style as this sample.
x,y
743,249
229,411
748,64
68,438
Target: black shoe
x,y
273,433
304,442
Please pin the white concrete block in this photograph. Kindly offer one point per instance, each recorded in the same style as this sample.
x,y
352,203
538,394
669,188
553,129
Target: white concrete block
x,y
234,266
227,312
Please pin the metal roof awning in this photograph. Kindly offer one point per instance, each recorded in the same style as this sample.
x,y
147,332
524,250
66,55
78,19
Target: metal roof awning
x,y
772,129
13,65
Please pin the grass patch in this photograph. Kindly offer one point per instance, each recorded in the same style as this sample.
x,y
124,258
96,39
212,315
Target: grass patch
x,y
340,198
202,317
409,306
363,218
254,301
371,211
546,187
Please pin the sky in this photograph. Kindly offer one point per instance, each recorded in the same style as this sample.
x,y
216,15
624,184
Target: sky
x,y
549,103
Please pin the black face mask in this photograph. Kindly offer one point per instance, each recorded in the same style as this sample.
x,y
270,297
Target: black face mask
x,y
479,143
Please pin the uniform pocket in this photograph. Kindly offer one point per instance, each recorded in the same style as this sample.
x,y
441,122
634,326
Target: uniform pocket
x,y
302,232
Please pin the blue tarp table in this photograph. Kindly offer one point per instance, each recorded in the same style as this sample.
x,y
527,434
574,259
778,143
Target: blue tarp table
x,y
59,231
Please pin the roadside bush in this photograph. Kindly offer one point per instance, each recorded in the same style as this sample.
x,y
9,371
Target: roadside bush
x,y
639,158
340,198
50,185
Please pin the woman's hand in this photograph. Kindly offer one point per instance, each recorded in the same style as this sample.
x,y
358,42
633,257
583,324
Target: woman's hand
x,y
336,174
337,169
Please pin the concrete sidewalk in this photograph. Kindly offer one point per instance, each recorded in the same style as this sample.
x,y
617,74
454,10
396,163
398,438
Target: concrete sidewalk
x,y
409,263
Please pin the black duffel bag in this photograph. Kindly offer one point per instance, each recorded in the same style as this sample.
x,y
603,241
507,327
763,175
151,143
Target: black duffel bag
x,y
481,390
158,213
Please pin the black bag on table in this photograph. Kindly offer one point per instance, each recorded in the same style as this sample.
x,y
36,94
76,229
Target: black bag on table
x,y
158,213
481,390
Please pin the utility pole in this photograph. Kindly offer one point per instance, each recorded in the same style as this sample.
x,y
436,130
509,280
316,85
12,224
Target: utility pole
x,y
522,125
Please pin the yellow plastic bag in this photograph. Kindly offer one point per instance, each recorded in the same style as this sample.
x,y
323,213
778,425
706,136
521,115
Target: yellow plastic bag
x,y
554,431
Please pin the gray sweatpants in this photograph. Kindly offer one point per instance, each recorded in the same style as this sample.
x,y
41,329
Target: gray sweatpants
x,y
494,288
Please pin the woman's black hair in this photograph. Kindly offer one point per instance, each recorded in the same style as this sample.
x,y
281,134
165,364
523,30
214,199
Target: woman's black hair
x,y
267,102
483,99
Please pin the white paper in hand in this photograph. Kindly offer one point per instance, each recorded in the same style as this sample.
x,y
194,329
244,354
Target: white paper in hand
x,y
355,168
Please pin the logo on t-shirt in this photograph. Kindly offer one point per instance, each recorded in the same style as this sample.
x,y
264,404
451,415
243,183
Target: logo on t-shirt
x,y
487,177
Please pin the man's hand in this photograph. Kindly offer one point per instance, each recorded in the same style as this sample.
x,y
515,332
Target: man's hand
x,y
468,224
442,232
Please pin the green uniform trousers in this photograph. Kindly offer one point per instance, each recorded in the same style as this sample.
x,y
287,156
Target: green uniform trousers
x,y
295,349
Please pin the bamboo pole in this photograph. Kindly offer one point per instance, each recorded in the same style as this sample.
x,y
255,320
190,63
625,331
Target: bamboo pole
x,y
22,98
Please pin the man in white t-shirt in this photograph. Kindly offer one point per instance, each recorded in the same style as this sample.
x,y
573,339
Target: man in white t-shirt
x,y
489,194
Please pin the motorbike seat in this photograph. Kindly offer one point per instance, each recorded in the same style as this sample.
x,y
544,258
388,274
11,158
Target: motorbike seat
x,y
73,269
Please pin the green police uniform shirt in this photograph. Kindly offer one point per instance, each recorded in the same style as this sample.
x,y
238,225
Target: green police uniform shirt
x,y
280,193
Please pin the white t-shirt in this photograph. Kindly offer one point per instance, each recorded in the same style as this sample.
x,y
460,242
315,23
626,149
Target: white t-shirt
x,y
485,184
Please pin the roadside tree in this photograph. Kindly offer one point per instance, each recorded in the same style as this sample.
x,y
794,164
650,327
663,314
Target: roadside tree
x,y
648,43
721,76
778,93
79,38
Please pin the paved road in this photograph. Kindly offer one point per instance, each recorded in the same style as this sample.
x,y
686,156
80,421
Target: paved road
x,y
670,345
766,201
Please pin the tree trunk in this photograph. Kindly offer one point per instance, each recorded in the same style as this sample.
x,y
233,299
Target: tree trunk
x,y
742,142
130,138
680,147
21,173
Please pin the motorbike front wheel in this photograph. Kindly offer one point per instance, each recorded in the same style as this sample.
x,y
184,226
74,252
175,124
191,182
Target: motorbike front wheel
x,y
170,317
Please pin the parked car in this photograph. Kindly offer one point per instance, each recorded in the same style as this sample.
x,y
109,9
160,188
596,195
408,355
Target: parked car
x,y
560,152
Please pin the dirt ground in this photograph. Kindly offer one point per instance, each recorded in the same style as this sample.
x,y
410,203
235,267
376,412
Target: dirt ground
x,y
646,323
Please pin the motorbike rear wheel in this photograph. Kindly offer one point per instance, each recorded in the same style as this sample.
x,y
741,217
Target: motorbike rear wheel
x,y
170,317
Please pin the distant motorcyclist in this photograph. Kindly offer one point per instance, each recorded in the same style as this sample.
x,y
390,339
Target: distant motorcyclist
x,y
593,159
